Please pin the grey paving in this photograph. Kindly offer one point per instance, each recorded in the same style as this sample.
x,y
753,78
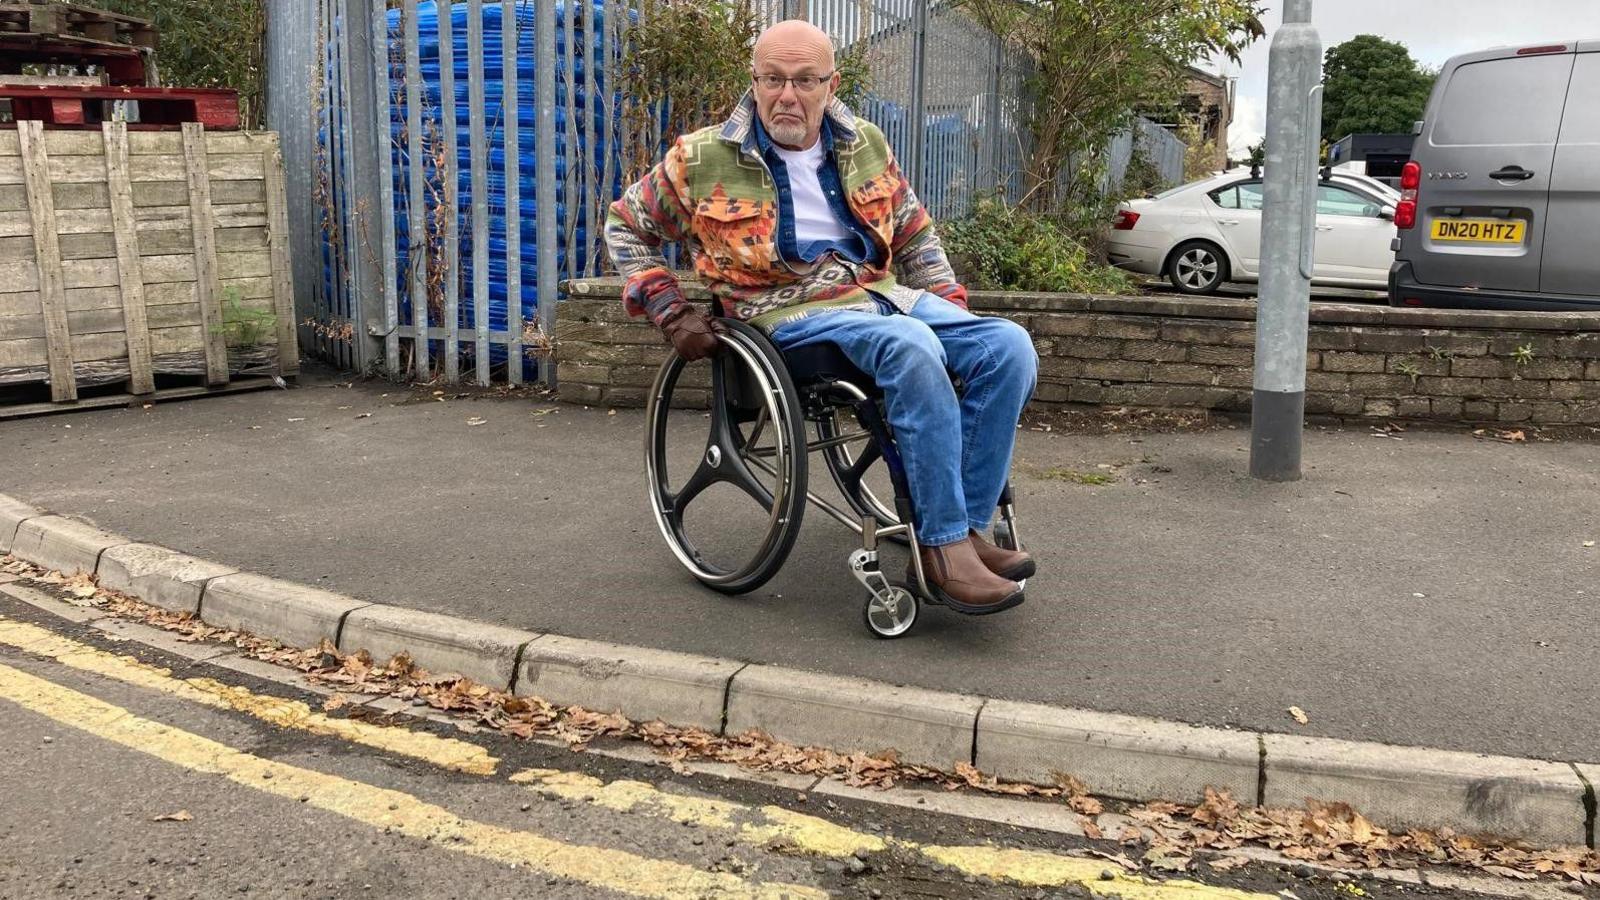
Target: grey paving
x,y
1428,589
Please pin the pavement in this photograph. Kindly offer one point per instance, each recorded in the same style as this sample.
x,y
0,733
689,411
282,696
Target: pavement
x,y
140,765
1419,588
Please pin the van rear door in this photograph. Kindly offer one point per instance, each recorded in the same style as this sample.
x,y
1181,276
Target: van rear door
x,y
1489,145
1572,230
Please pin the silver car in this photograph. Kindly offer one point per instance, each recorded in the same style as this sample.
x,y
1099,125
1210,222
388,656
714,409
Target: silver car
x,y
1500,204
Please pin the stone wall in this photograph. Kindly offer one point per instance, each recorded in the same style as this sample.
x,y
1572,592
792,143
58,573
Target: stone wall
x,y
1363,362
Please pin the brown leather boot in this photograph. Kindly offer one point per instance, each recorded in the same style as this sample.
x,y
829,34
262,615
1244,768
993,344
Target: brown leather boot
x,y
1013,564
968,586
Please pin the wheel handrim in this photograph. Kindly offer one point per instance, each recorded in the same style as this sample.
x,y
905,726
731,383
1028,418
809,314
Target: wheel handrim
x,y
669,506
1197,268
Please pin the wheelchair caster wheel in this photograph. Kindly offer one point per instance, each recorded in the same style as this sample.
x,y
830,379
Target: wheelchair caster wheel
x,y
892,613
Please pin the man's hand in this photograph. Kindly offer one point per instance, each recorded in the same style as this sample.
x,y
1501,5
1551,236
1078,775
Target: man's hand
x,y
692,333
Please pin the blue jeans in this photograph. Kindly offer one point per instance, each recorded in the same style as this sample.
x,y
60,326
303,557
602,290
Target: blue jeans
x,y
957,450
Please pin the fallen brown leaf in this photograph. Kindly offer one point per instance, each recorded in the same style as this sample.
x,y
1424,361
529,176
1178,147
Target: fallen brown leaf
x,y
181,815
1299,715
1228,863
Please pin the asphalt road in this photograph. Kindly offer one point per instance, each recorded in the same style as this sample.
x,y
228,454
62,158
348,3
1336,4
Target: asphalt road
x,y
1427,588
118,783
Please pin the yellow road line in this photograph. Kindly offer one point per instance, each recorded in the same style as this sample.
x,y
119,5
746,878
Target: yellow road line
x,y
766,826
381,808
449,753
771,827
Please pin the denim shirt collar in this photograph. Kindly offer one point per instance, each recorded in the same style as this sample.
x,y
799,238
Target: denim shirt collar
x,y
740,128
765,144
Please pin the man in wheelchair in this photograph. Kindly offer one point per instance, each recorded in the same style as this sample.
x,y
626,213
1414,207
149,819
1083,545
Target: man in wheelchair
x,y
802,225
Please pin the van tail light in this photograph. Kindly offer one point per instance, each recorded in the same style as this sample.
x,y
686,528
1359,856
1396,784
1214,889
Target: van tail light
x,y
1405,212
1126,219
1411,176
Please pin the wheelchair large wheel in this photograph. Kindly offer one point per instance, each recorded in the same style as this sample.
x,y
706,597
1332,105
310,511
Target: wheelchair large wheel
x,y
856,464
755,443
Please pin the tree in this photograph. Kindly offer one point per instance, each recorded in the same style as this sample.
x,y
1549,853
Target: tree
x,y
207,43
1095,61
1372,85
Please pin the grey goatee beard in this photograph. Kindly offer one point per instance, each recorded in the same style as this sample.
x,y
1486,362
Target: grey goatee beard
x,y
788,132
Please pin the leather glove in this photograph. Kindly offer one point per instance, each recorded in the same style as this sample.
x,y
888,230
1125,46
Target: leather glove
x,y
692,333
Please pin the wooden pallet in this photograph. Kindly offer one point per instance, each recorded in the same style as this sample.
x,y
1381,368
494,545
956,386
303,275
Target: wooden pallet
x,y
86,106
73,20
122,64
160,395
128,256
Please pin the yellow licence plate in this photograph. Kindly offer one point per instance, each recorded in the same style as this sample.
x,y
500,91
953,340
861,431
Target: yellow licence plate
x,y
1482,231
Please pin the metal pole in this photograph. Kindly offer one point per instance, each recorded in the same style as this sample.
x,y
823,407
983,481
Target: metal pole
x,y
544,139
365,187
450,174
478,156
513,175
919,71
417,204
291,50
1288,220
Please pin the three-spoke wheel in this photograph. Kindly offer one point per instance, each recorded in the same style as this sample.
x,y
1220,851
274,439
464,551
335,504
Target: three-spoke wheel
x,y
754,443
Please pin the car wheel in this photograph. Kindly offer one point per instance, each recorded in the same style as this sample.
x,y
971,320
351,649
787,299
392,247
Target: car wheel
x,y
1197,267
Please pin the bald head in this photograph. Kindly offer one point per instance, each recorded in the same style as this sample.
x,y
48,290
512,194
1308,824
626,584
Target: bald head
x,y
795,41
789,50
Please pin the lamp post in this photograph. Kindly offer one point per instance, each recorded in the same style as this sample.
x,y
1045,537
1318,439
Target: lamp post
x,y
1288,233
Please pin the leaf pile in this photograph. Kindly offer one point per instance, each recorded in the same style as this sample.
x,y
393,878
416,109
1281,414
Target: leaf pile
x,y
1336,834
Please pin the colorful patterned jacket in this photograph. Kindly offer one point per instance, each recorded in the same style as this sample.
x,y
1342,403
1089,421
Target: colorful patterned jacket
x,y
714,192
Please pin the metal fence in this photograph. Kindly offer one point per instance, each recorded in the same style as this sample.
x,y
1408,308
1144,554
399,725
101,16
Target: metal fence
x,y
452,161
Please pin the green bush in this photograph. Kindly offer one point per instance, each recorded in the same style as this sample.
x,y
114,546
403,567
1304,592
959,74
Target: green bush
x,y
207,43
999,247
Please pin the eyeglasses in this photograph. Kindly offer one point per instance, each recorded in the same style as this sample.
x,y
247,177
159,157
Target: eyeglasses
x,y
805,84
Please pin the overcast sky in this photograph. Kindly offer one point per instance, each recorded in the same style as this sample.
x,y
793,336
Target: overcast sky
x,y
1434,30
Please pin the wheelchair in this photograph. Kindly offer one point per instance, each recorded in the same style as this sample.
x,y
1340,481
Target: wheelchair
x,y
762,404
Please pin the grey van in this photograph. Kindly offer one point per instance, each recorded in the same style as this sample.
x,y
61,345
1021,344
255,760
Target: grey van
x,y
1500,203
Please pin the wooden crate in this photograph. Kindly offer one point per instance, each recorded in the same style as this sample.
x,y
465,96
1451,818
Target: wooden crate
x,y
128,255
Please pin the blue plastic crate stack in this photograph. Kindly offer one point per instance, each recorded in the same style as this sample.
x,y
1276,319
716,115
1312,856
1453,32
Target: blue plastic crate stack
x,y
586,76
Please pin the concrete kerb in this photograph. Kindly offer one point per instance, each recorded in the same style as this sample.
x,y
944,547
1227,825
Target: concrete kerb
x,y
440,644
161,577
57,542
1119,756
13,513
295,614
641,683
1126,757
1590,775
923,727
1411,787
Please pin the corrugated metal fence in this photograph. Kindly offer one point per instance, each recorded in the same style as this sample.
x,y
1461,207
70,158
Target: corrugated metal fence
x,y
453,160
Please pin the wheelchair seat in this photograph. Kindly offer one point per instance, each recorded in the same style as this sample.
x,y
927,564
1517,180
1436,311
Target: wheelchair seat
x,y
824,361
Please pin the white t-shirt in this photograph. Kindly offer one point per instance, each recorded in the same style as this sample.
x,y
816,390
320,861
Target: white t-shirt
x,y
813,218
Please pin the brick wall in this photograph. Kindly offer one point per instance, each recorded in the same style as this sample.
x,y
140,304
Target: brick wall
x,y
1362,361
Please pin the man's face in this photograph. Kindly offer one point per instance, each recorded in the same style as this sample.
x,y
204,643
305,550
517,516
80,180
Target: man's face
x,y
792,116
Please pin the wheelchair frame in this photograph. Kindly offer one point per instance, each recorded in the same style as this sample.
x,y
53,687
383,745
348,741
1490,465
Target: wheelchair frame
x,y
764,394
